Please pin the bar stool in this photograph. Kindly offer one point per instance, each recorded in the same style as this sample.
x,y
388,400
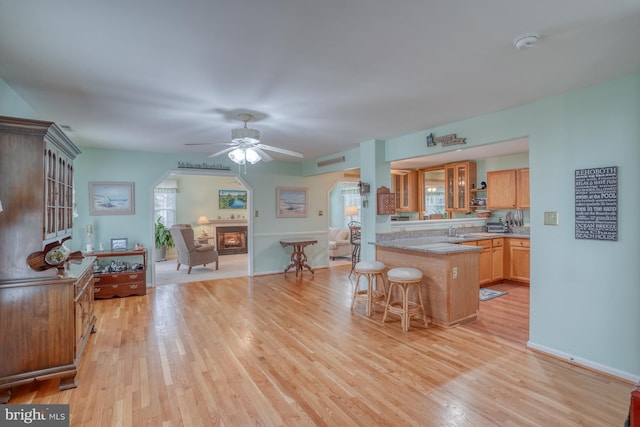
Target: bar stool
x,y
404,278
373,271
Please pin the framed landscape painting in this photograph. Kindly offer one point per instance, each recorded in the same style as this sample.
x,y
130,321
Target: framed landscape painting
x,y
291,202
111,198
232,199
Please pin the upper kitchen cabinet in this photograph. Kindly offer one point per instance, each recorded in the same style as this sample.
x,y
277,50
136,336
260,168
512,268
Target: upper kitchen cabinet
x,y
36,171
459,179
405,187
508,189
431,193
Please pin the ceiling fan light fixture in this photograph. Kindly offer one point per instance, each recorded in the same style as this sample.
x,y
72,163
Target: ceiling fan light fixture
x,y
242,155
246,135
251,155
237,156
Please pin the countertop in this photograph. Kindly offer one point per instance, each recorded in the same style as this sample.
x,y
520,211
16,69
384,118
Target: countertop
x,y
444,245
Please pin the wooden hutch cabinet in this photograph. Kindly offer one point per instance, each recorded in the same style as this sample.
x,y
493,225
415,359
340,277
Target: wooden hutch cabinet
x,y
120,274
46,314
460,178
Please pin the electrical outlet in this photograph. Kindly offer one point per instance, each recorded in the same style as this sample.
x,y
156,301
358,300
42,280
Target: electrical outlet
x,y
320,213
454,272
257,213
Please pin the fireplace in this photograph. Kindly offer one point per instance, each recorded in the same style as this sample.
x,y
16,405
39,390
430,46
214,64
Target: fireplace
x,y
231,240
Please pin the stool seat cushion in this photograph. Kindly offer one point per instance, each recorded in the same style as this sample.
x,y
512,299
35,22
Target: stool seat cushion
x,y
404,273
370,266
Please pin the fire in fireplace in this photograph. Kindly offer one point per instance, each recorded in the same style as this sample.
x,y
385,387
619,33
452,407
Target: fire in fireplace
x,y
231,240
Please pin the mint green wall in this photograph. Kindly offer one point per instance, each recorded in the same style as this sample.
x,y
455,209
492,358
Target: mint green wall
x,y
12,105
584,294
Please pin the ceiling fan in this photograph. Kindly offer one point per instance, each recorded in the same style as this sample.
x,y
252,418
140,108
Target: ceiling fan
x,y
245,146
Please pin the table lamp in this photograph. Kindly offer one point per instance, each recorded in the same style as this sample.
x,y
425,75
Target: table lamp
x,y
351,211
203,220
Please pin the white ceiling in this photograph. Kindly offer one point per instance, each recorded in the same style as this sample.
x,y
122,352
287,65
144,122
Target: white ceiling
x,y
320,76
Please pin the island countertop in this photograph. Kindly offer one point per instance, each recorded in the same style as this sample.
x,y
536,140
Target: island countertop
x,y
445,244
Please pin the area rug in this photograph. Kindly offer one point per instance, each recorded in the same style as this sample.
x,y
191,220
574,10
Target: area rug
x,y
487,294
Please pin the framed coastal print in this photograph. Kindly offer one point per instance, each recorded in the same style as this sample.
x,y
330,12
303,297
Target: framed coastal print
x,y
291,202
111,198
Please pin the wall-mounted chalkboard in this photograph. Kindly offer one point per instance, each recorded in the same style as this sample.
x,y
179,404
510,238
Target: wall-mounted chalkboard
x,y
597,203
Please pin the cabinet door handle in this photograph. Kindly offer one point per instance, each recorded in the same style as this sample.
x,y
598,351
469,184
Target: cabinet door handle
x,y
133,286
133,276
96,290
97,280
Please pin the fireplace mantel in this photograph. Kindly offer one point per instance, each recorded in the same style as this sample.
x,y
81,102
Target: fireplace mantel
x,y
224,222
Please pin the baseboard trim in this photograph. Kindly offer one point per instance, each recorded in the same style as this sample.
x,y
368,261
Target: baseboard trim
x,y
585,363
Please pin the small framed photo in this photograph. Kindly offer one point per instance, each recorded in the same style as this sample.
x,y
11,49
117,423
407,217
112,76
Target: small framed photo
x,y
120,244
111,198
291,202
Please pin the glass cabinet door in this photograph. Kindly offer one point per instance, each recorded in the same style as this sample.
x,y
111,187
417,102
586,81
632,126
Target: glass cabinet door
x,y
451,187
462,187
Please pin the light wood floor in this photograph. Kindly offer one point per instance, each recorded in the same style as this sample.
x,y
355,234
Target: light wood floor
x,y
276,351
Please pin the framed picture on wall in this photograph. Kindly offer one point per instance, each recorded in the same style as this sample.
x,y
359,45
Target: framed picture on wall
x,y
111,198
291,202
232,199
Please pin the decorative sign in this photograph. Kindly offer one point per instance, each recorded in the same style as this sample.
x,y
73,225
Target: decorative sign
x,y
597,203
445,140
189,165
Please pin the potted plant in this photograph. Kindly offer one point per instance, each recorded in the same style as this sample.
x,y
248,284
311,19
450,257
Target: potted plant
x,y
163,240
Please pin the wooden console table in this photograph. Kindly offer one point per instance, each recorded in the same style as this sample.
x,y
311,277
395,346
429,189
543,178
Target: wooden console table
x,y
298,257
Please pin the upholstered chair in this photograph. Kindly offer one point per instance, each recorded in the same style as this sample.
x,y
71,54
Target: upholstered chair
x,y
189,252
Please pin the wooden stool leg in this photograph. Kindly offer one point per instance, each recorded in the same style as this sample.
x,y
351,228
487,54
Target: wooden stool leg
x,y
355,290
424,313
405,308
386,307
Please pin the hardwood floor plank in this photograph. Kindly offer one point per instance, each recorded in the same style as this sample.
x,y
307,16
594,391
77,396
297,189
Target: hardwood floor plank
x,y
279,351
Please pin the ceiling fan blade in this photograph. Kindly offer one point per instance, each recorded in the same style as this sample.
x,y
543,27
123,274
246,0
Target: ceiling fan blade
x,y
226,150
280,150
195,144
265,156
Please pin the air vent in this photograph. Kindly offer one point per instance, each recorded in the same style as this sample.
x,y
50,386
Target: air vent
x,y
331,161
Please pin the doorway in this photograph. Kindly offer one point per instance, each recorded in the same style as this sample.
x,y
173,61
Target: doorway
x,y
201,201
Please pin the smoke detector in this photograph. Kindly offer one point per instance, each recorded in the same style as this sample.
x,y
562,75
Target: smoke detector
x,y
525,41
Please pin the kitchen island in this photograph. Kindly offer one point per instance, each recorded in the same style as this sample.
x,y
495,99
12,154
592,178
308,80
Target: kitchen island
x,y
449,287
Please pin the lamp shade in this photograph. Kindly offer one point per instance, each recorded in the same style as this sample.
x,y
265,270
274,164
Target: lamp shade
x,y
203,220
351,210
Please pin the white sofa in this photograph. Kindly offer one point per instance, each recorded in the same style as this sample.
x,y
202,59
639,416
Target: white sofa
x,y
339,244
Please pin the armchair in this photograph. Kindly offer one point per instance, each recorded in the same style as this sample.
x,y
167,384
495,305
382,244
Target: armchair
x,y
189,252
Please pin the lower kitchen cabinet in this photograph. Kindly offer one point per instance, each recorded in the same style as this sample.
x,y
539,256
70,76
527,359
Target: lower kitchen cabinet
x,y
491,263
120,274
519,259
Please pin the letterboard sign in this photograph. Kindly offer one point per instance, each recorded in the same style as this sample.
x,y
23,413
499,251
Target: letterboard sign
x,y
597,203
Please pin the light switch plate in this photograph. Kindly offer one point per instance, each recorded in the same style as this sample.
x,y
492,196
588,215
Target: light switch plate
x,y
551,218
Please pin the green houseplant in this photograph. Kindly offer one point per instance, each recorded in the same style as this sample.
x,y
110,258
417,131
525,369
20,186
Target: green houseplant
x,y
163,240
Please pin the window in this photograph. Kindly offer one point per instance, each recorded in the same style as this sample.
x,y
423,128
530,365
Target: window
x,y
165,202
351,198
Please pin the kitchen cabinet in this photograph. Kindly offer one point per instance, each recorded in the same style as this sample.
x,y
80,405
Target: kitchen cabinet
x,y
491,262
431,193
46,324
460,178
405,187
508,189
519,259
120,274
522,188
